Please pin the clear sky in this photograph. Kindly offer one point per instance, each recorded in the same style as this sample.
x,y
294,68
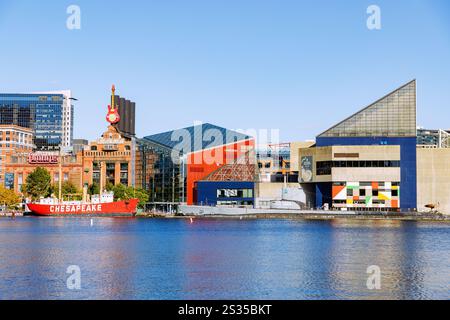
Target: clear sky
x,y
297,66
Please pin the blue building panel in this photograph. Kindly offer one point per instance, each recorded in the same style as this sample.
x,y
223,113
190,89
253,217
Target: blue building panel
x,y
222,192
408,163
43,113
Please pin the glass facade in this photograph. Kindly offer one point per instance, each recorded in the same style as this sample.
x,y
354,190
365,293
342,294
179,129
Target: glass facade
x,y
41,113
164,180
392,116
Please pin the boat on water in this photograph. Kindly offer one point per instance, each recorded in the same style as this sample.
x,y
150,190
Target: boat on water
x,y
103,206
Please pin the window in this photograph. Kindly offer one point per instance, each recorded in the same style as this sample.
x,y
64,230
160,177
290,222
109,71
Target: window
x,y
234,193
325,167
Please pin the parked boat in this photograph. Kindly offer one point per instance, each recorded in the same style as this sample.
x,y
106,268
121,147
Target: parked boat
x,y
126,208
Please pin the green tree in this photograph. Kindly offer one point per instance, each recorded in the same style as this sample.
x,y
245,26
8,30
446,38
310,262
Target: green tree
x,y
109,186
68,188
143,197
38,184
94,189
122,192
8,198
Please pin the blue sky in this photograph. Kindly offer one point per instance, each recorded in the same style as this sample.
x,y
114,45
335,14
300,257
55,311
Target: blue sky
x,y
297,66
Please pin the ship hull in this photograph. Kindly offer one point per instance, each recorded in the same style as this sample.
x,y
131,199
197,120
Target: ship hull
x,y
126,208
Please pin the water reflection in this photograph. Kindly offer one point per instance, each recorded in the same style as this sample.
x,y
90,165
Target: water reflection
x,y
215,259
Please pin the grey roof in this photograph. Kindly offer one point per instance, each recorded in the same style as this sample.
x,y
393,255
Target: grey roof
x,y
196,138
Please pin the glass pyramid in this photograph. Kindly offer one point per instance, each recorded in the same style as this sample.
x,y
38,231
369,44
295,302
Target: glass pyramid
x,y
391,116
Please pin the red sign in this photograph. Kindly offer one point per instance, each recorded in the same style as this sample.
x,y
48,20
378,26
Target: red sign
x,y
36,158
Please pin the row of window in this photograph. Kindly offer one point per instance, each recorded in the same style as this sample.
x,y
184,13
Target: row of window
x,y
369,184
235,203
324,167
373,193
268,165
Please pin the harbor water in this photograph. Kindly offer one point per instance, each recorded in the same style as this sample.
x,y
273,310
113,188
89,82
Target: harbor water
x,y
222,259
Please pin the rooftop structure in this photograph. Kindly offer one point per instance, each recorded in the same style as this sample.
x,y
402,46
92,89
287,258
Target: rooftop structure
x,y
392,116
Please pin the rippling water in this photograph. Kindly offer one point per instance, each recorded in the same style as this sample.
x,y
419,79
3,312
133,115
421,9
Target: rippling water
x,y
223,259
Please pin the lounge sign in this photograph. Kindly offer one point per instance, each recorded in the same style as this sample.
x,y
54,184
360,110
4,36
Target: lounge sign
x,y
38,158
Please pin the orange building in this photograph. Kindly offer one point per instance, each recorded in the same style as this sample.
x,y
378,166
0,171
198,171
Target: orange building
x,y
113,157
22,165
202,163
18,160
110,157
15,142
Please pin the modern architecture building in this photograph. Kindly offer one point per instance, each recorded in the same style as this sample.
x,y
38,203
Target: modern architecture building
x,y
48,114
187,157
233,184
278,175
433,138
368,160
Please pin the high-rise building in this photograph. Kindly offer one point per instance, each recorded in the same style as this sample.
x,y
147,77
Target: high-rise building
x,y
127,112
48,114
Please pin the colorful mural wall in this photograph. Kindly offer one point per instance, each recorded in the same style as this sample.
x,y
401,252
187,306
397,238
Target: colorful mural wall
x,y
366,195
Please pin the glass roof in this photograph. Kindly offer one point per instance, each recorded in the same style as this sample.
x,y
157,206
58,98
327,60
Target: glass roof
x,y
392,116
196,138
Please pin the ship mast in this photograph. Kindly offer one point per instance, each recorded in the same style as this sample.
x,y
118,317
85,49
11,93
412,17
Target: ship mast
x,y
101,178
60,176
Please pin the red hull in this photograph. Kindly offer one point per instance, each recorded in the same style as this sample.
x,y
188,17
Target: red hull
x,y
121,208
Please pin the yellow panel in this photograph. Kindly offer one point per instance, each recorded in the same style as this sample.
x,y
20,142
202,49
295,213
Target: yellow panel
x,y
384,196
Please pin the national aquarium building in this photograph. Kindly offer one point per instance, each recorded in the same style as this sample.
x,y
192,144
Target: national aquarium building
x,y
369,160
203,164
